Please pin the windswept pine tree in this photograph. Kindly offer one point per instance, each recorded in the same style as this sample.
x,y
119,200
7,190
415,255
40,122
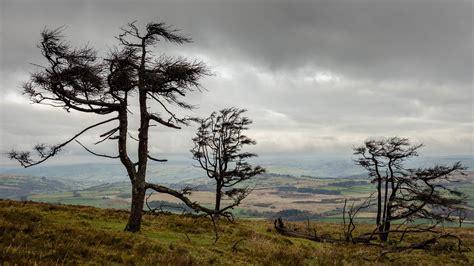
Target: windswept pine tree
x,y
76,79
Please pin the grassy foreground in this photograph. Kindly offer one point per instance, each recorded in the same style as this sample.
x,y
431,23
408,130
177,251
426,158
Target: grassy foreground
x,y
40,233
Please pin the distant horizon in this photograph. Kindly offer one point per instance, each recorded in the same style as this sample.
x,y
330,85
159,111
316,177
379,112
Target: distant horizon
x,y
181,157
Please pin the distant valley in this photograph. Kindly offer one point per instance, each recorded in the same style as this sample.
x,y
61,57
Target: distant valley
x,y
296,189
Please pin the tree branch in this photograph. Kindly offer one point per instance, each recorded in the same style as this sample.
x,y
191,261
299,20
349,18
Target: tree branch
x,y
161,121
25,160
97,154
157,160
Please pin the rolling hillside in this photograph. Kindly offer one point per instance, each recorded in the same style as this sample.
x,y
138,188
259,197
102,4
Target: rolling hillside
x,y
39,233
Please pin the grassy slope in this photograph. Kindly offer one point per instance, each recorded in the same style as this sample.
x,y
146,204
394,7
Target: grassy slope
x,y
49,234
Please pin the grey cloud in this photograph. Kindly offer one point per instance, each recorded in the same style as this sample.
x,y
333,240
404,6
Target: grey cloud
x,y
316,77
431,39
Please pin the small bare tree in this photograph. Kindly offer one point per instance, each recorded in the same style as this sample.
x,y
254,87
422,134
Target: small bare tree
x,y
350,225
217,147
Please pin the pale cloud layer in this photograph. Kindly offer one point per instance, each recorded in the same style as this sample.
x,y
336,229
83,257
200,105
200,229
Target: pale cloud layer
x,y
317,77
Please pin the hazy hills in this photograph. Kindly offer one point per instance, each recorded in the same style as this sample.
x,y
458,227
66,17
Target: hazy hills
x,y
180,169
20,187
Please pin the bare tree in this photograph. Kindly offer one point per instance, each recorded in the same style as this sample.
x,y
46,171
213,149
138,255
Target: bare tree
x,y
76,79
404,193
350,226
217,147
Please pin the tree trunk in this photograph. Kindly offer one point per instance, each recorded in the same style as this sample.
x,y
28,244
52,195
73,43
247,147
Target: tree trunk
x,y
379,200
388,210
218,199
136,212
385,202
385,230
138,195
138,183
385,215
386,222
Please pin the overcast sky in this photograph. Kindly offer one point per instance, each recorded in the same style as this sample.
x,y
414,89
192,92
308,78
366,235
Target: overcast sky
x,y
317,77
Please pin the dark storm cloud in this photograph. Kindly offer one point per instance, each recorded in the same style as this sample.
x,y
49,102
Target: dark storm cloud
x,y
391,39
316,76
396,39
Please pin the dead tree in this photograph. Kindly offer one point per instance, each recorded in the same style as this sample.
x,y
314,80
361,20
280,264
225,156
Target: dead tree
x,y
350,225
404,193
76,79
217,147
286,231
430,243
